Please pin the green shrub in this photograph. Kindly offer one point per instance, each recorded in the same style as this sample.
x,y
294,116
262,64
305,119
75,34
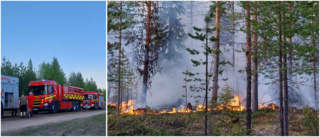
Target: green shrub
x,y
311,121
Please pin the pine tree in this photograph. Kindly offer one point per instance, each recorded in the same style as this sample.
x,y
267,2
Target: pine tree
x,y
147,43
204,37
119,20
216,50
248,68
175,36
254,91
52,71
76,80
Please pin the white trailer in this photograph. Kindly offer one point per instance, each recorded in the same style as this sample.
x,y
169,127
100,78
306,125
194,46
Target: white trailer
x,y
9,93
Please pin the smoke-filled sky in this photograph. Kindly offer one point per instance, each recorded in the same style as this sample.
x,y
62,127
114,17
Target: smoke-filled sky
x,y
167,86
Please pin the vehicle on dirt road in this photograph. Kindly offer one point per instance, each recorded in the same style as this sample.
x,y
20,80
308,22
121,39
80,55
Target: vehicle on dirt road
x,y
9,94
93,100
50,96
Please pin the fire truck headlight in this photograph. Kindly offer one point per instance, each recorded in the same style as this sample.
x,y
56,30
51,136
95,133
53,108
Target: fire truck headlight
x,y
92,105
45,104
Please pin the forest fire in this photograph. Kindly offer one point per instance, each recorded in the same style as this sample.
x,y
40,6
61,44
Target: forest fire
x,y
112,105
233,105
269,106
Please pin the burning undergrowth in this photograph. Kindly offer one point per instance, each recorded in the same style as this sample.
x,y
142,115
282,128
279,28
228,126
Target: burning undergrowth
x,y
234,104
221,122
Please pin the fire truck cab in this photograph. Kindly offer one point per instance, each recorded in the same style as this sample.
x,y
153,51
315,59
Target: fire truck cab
x,y
9,93
50,96
93,100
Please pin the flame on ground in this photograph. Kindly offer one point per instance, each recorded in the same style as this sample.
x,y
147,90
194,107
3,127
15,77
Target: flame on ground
x,y
269,106
234,105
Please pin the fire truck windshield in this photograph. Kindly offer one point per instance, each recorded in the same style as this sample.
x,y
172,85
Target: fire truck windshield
x,y
87,97
38,90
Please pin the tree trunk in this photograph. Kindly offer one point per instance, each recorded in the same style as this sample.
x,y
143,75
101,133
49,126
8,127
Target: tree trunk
x,y
206,117
119,62
146,59
255,102
233,34
314,69
290,48
216,52
286,105
185,85
280,77
248,69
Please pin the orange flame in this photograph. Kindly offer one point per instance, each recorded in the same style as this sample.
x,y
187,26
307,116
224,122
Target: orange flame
x,y
233,105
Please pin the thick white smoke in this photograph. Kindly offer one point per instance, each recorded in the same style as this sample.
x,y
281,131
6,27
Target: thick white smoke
x,y
167,86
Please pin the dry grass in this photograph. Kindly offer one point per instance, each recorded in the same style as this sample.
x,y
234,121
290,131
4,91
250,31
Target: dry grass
x,y
225,123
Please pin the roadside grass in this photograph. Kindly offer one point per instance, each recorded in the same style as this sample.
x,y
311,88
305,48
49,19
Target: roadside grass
x,y
223,123
90,126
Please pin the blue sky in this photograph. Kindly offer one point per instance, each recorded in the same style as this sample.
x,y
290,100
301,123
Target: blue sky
x,y
73,32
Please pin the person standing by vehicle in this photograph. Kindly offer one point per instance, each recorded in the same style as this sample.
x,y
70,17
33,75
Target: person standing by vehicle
x,y
23,102
30,103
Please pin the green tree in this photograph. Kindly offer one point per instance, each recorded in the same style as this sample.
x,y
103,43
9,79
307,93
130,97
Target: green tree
x,y
25,74
76,79
148,44
28,75
119,20
203,35
52,71
173,44
6,67
90,85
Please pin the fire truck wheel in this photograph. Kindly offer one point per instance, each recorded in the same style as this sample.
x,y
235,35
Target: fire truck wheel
x,y
54,108
74,107
35,112
78,107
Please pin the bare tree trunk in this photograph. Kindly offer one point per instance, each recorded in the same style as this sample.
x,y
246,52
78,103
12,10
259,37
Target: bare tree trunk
x,y
314,69
206,117
146,59
128,95
119,61
290,48
255,102
280,76
216,52
286,105
233,33
248,69
185,85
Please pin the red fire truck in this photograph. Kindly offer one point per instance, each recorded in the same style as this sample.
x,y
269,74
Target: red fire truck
x,y
92,100
50,96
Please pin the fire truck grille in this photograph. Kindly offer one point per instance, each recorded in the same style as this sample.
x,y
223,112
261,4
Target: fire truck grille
x,y
36,103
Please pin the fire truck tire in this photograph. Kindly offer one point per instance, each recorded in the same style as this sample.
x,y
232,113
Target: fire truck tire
x,y
79,107
74,106
35,112
54,108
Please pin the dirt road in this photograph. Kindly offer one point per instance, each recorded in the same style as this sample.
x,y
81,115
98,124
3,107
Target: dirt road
x,y
9,123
